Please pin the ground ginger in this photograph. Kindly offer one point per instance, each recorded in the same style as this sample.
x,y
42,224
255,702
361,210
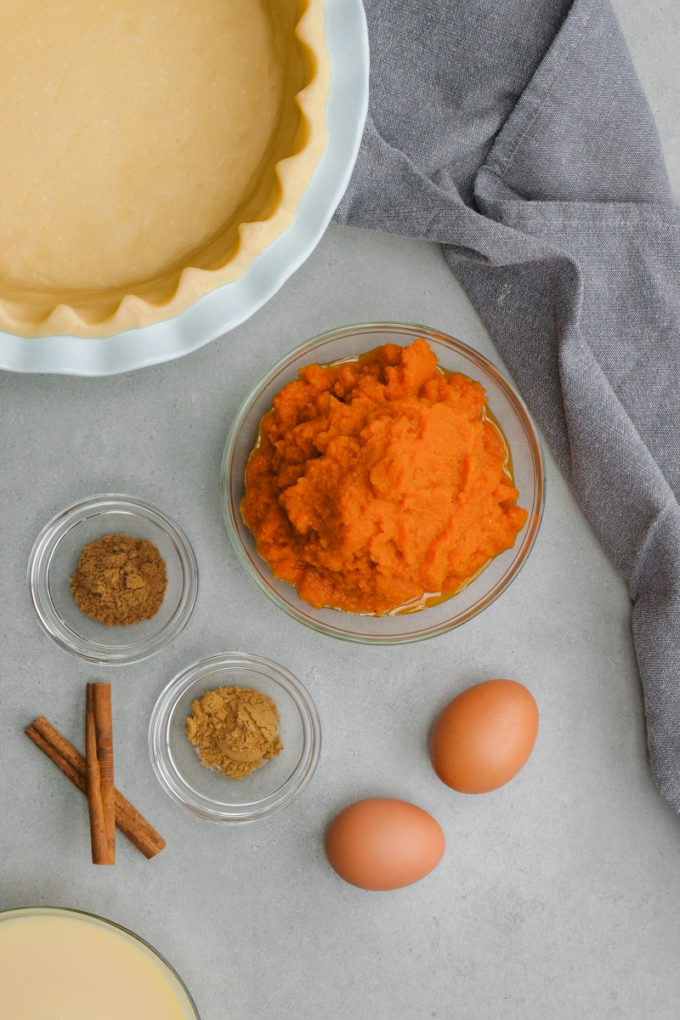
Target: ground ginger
x,y
234,730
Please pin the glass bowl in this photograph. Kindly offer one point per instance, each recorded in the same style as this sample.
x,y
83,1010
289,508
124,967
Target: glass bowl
x,y
117,952
53,560
510,412
267,789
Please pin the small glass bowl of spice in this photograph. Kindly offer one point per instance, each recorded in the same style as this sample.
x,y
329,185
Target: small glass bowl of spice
x,y
234,738
112,579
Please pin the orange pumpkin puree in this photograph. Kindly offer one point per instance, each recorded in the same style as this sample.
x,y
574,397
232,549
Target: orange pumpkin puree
x,y
379,484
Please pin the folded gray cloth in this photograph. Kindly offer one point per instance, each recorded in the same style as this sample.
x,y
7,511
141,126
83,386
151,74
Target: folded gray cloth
x,y
517,135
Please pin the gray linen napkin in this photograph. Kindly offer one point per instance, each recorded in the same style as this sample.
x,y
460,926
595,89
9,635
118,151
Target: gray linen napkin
x,y
517,135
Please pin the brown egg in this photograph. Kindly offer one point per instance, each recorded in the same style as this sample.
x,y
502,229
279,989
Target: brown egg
x,y
484,736
381,843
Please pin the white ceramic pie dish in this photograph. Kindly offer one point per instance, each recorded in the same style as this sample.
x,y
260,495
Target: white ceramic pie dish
x,y
226,307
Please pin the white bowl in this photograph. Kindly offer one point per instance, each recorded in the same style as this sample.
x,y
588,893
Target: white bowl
x,y
226,307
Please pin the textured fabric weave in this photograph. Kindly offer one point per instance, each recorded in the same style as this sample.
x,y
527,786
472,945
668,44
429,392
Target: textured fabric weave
x,y
516,134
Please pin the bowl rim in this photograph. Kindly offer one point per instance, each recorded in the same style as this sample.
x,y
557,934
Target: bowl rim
x,y
224,308
170,778
47,542
88,915
406,329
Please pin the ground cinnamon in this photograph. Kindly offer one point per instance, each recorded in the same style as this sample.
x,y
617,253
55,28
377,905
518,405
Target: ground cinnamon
x,y
119,580
234,730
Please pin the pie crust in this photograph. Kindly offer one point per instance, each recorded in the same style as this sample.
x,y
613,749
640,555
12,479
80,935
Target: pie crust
x,y
155,147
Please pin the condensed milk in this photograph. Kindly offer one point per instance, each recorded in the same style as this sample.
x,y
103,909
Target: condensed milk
x,y
57,964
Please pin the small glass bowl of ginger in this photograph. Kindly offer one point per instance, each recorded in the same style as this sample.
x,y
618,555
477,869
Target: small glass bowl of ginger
x,y
207,787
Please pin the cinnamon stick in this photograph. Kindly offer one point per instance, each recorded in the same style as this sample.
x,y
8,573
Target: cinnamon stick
x,y
99,771
71,762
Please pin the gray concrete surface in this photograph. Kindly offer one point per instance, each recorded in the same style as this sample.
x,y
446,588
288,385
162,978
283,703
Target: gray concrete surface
x,y
557,896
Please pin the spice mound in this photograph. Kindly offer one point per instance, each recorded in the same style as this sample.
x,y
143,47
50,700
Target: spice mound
x,y
119,580
234,730
380,484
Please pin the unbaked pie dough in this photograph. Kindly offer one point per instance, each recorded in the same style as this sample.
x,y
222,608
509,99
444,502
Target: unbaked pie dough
x,y
152,149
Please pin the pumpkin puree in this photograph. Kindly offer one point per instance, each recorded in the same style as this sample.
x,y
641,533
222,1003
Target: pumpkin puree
x,y
379,484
